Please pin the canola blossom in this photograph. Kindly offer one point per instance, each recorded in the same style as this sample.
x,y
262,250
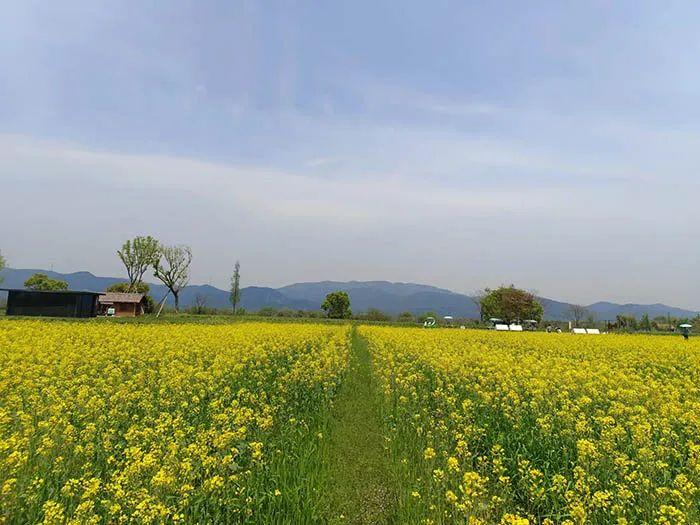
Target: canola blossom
x,y
489,427
163,423
193,423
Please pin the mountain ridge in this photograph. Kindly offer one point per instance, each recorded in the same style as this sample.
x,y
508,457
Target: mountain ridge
x,y
390,297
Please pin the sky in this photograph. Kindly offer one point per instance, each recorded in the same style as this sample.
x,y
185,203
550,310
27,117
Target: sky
x,y
553,145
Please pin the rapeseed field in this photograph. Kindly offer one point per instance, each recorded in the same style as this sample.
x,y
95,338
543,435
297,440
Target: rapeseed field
x,y
488,427
311,423
164,423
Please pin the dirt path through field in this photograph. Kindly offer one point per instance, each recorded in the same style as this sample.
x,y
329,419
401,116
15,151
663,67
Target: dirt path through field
x,y
360,489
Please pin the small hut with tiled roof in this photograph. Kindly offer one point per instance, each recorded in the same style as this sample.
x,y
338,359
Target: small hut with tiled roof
x,y
122,304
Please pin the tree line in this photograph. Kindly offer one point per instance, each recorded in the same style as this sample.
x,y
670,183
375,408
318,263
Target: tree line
x,y
170,264
506,304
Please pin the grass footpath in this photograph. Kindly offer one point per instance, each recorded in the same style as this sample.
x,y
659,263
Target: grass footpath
x,y
360,488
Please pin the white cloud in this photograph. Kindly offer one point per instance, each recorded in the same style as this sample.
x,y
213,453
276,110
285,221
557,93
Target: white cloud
x,y
410,203
74,205
264,192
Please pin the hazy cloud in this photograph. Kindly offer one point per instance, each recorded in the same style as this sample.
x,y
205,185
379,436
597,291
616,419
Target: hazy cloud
x,y
454,144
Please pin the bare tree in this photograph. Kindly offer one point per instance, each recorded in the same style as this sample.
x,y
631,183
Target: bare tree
x,y
173,269
200,303
477,297
138,255
591,320
235,296
577,313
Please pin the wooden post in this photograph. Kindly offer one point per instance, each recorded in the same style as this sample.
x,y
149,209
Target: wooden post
x,y
162,303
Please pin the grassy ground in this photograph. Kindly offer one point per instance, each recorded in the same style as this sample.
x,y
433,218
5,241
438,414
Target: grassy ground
x,y
360,488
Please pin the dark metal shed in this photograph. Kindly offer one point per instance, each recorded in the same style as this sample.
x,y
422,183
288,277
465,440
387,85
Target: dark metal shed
x,y
68,303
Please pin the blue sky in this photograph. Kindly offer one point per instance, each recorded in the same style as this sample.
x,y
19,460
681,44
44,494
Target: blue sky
x,y
461,144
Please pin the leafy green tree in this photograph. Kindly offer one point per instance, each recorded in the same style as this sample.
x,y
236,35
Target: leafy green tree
x,y
149,304
235,296
286,312
626,322
3,264
42,282
337,305
138,255
406,317
633,323
510,304
645,323
374,314
124,288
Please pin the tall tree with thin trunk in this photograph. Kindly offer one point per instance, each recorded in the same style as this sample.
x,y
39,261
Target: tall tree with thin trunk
x,y
477,297
200,303
138,255
173,269
3,263
235,296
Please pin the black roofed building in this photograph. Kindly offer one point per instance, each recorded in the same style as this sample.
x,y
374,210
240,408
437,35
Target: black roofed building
x,y
65,303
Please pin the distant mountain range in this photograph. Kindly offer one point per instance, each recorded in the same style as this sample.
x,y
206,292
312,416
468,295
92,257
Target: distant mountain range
x,y
252,297
389,297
